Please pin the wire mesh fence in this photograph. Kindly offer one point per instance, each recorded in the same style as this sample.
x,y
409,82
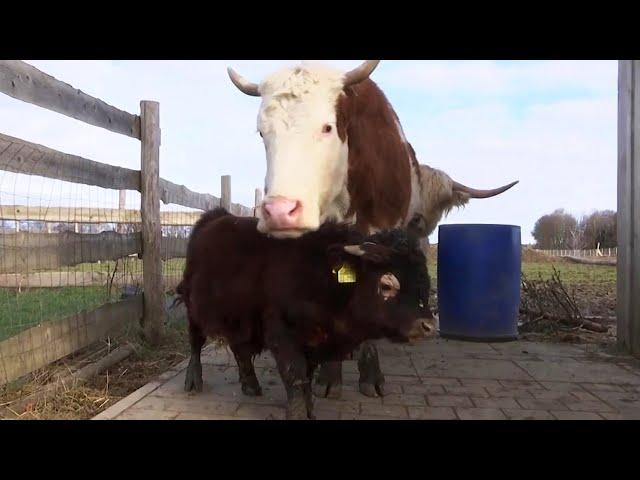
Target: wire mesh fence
x,y
51,233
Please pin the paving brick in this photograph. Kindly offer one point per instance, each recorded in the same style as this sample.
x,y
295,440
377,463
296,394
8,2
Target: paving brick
x,y
359,397
392,388
345,406
370,417
424,389
562,386
564,397
539,348
439,381
502,402
432,413
471,368
620,400
602,387
564,415
392,411
261,412
448,401
468,382
585,396
533,404
187,404
403,379
403,399
509,392
480,414
520,384
520,414
200,416
469,390
633,414
588,406
579,371
326,414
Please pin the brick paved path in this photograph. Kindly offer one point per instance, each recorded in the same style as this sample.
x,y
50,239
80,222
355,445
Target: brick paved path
x,y
434,379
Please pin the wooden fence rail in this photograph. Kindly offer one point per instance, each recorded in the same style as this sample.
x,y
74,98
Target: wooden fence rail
x,y
594,252
25,82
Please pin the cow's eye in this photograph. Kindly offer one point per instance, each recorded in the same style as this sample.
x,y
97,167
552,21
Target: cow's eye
x,y
260,133
326,128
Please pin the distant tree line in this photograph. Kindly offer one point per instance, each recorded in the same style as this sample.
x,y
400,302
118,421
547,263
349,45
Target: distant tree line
x,y
561,230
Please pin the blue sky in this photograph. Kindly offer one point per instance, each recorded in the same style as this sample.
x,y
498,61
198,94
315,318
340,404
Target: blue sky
x,y
549,124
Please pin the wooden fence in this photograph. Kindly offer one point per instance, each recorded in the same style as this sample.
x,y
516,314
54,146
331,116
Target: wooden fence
x,y
595,252
26,254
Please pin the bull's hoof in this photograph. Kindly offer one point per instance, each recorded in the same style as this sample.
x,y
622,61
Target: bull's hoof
x,y
297,410
193,379
371,389
328,383
251,388
331,390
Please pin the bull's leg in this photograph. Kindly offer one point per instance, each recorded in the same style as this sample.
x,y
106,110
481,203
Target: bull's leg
x,y
371,378
293,369
329,381
193,379
248,380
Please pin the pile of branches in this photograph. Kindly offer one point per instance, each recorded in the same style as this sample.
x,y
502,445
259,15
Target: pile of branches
x,y
548,305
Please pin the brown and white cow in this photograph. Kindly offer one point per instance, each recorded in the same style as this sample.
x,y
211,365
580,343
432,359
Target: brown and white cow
x,y
335,150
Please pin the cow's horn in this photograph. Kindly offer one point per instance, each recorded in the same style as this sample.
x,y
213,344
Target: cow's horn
x,y
360,73
475,193
354,250
244,85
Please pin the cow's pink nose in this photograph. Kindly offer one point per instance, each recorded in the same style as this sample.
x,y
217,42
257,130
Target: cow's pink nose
x,y
282,213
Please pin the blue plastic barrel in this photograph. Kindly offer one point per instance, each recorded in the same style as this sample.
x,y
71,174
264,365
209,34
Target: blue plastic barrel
x,y
479,282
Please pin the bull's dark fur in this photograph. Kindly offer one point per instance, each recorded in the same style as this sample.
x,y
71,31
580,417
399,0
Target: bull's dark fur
x,y
262,293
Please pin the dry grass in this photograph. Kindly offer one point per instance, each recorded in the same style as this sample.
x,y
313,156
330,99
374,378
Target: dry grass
x,y
84,401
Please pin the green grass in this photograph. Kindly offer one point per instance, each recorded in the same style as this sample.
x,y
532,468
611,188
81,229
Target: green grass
x,y
19,311
571,273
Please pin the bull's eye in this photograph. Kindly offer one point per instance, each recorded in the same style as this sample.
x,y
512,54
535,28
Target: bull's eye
x,y
260,134
326,128
388,286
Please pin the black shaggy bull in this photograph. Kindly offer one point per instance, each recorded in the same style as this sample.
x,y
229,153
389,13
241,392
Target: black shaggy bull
x,y
307,300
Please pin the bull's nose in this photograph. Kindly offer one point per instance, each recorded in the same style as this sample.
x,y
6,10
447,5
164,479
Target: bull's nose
x,y
282,213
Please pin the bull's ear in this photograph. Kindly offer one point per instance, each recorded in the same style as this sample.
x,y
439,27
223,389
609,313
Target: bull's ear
x,y
417,228
370,252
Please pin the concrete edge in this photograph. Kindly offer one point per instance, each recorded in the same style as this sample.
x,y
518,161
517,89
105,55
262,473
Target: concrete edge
x,y
116,409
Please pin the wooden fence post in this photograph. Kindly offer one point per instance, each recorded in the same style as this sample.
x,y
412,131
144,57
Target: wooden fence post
x,y
628,263
225,196
154,299
122,202
257,202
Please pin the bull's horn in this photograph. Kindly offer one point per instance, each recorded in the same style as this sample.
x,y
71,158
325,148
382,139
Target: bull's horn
x,y
244,85
360,73
475,193
354,250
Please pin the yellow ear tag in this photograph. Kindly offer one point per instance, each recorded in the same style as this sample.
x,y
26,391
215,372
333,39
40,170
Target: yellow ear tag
x,y
346,274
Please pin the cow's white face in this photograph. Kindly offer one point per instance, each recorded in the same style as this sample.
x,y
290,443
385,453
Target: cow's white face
x,y
307,162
